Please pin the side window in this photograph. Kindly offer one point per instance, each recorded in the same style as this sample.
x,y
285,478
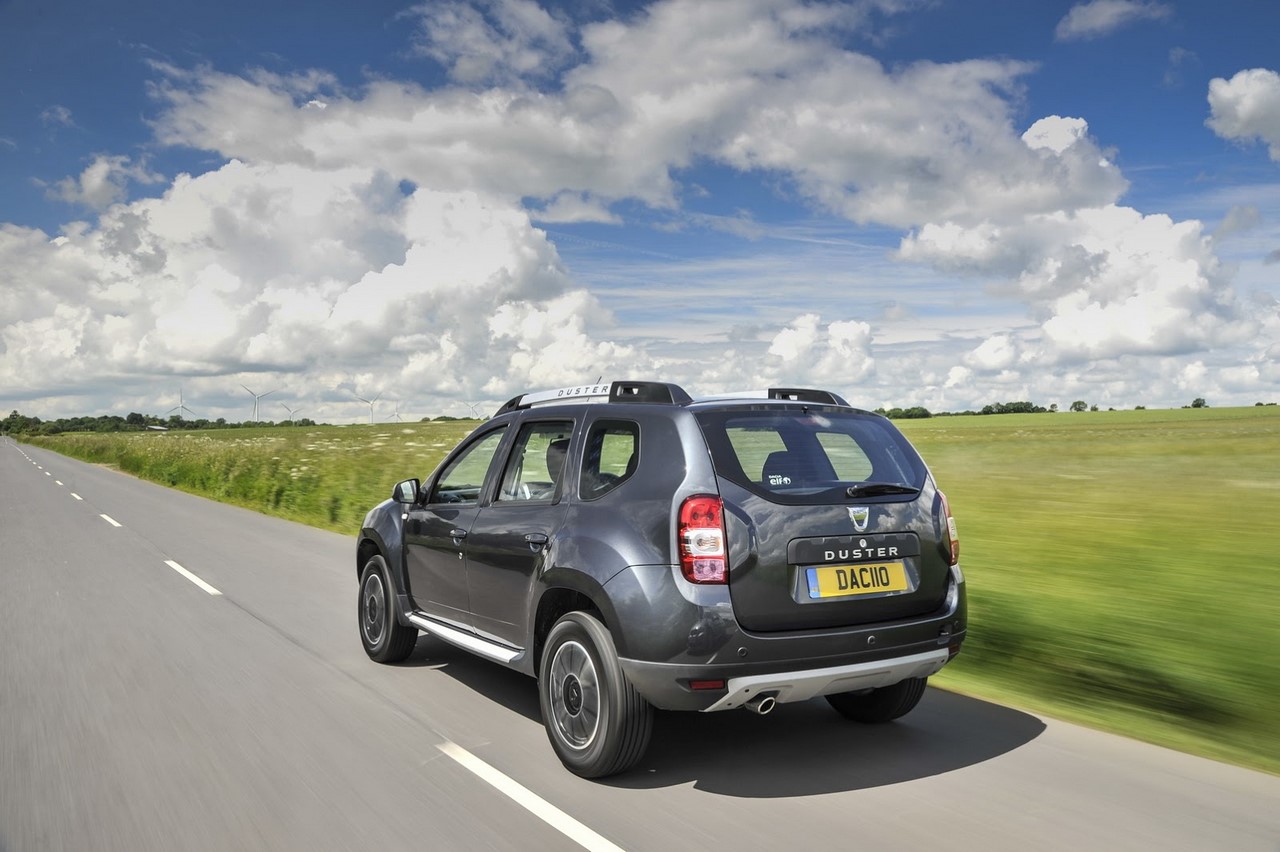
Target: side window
x,y
847,458
463,480
753,445
609,458
537,462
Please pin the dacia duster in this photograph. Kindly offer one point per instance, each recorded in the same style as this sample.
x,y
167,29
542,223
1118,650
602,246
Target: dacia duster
x,y
632,548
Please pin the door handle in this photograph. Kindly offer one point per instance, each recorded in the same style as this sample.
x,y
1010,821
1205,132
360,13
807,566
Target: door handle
x,y
536,540
457,535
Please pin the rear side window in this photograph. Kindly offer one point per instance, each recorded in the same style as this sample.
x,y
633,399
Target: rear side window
x,y
803,456
610,457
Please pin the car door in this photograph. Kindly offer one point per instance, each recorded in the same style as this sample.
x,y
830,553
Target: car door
x,y
436,531
512,537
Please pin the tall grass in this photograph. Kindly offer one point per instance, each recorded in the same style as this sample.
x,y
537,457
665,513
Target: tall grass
x,y
1122,569
1121,565
324,476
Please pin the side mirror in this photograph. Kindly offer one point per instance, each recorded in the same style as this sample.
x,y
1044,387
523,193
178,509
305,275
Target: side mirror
x,y
406,491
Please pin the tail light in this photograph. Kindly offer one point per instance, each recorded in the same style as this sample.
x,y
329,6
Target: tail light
x,y
949,531
701,537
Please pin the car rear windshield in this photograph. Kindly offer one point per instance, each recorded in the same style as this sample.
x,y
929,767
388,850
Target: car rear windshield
x,y
804,455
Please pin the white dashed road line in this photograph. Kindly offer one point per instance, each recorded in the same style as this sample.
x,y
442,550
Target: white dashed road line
x,y
192,577
174,565
530,801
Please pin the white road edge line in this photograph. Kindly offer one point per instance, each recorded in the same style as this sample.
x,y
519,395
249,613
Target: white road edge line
x,y
111,520
530,801
192,577
77,496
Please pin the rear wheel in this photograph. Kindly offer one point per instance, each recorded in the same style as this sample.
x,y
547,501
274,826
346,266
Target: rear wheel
x,y
880,705
385,639
596,721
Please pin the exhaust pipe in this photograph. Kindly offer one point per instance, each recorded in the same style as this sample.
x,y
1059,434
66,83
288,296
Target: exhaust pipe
x,y
762,704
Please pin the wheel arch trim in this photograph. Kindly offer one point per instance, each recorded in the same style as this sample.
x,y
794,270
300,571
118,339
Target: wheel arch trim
x,y
371,543
556,584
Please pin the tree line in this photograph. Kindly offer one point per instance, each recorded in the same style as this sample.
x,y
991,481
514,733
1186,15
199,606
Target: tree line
x,y
19,424
1017,407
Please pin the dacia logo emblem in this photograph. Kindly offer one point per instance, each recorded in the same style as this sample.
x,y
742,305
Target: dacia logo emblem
x,y
860,515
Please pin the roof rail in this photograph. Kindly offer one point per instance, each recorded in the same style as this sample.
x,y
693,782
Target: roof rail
x,y
657,392
821,397
661,392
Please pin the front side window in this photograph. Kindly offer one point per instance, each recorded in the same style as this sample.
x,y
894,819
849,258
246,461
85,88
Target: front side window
x,y
806,456
463,480
610,457
536,467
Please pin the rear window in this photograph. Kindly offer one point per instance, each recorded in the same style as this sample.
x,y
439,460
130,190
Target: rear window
x,y
612,450
805,456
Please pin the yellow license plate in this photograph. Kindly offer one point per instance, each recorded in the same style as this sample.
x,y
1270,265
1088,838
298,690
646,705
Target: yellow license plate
x,y
872,578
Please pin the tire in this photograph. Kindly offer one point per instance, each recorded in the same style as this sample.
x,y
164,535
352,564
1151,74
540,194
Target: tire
x,y
880,705
597,723
385,639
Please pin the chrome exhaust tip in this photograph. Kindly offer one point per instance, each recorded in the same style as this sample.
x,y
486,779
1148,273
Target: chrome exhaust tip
x,y
762,704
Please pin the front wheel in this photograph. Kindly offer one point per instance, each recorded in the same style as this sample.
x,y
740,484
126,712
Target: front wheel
x,y
880,705
597,723
385,639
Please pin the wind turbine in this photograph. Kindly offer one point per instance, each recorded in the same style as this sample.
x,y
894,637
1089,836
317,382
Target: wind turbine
x,y
399,419
256,397
368,402
473,406
292,411
180,407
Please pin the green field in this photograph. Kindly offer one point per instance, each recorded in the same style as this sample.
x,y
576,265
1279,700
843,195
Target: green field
x,y
1120,564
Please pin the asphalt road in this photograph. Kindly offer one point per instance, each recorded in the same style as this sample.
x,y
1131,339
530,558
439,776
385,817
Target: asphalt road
x,y
141,711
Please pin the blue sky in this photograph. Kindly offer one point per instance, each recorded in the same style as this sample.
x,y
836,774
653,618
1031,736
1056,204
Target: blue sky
x,y
915,203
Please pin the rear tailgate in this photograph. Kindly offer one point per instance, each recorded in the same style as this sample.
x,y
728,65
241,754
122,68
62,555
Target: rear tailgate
x,y
831,517
808,567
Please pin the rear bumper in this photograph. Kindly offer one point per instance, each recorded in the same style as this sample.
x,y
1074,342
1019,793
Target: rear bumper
x,y
678,641
810,683
670,686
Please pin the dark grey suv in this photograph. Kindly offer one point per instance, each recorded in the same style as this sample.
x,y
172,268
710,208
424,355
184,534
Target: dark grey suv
x,y
632,548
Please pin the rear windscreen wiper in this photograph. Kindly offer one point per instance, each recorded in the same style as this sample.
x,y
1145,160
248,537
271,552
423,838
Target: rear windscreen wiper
x,y
871,489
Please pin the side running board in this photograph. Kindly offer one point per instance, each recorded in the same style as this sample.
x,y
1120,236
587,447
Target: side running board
x,y
466,641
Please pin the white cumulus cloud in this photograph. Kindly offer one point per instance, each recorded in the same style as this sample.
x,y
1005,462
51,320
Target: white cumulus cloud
x,y
1246,108
837,354
1102,17
1055,133
104,182
994,354
493,40
1104,282
57,116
